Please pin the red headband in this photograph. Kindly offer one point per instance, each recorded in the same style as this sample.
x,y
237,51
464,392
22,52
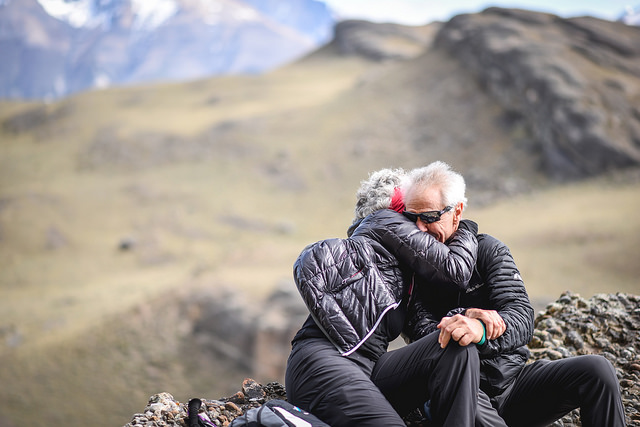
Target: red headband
x,y
397,202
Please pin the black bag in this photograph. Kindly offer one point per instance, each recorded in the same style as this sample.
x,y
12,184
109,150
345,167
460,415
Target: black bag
x,y
277,413
195,418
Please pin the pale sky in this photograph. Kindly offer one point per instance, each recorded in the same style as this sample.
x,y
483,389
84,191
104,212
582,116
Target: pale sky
x,y
419,12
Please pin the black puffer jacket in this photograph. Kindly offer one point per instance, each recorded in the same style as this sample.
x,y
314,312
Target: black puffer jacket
x,y
495,285
349,284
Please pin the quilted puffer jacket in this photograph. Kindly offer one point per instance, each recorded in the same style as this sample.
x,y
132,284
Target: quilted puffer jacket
x,y
495,285
349,284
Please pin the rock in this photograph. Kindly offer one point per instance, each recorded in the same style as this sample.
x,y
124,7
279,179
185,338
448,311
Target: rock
x,y
163,410
606,324
126,244
613,332
252,390
255,338
543,69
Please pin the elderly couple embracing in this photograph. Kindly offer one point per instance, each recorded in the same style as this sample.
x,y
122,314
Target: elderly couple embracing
x,y
412,266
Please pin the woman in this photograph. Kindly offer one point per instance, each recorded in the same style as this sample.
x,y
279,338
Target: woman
x,y
357,290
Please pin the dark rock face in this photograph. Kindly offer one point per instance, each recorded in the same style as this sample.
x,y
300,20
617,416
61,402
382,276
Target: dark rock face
x,y
257,339
573,82
606,324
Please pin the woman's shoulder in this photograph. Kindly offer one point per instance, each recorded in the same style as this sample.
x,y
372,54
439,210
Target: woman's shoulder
x,y
384,220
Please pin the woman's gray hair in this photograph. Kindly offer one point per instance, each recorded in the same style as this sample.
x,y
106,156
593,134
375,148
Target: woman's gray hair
x,y
439,174
376,192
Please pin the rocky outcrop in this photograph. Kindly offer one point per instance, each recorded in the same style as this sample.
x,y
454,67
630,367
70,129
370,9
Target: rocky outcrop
x,y
606,324
257,339
573,83
381,42
163,410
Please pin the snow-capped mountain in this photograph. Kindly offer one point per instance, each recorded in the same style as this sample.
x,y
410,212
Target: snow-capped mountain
x,y
631,16
58,47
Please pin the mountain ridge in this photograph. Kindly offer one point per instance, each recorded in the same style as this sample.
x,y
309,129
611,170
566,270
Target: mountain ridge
x,y
58,51
584,125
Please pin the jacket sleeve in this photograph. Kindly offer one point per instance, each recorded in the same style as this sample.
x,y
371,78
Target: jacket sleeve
x,y
420,321
445,265
508,296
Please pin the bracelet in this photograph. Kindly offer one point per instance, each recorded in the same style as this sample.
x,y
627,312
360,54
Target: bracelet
x,y
484,333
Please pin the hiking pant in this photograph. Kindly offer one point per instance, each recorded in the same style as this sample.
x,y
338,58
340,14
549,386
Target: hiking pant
x,y
354,391
547,390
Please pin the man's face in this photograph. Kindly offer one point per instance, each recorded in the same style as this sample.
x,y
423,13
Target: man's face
x,y
429,199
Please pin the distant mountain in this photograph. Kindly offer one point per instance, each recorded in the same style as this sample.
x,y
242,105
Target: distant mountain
x,y
52,48
631,16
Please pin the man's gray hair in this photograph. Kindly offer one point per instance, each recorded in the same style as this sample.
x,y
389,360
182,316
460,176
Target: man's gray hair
x,y
440,174
376,192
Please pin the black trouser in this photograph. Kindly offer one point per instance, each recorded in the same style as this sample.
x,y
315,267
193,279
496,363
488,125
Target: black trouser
x,y
352,391
547,390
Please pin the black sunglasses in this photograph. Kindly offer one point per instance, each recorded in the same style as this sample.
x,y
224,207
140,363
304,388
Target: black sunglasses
x,y
427,217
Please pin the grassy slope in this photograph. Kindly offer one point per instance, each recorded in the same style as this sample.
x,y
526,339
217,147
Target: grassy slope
x,y
238,216
172,211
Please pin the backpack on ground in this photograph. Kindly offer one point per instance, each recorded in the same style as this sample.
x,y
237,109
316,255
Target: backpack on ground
x,y
277,413
195,418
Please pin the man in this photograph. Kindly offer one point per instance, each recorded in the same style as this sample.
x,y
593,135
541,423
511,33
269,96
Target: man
x,y
494,313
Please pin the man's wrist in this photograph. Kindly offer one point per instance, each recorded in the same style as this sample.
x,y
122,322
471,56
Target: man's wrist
x,y
484,333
